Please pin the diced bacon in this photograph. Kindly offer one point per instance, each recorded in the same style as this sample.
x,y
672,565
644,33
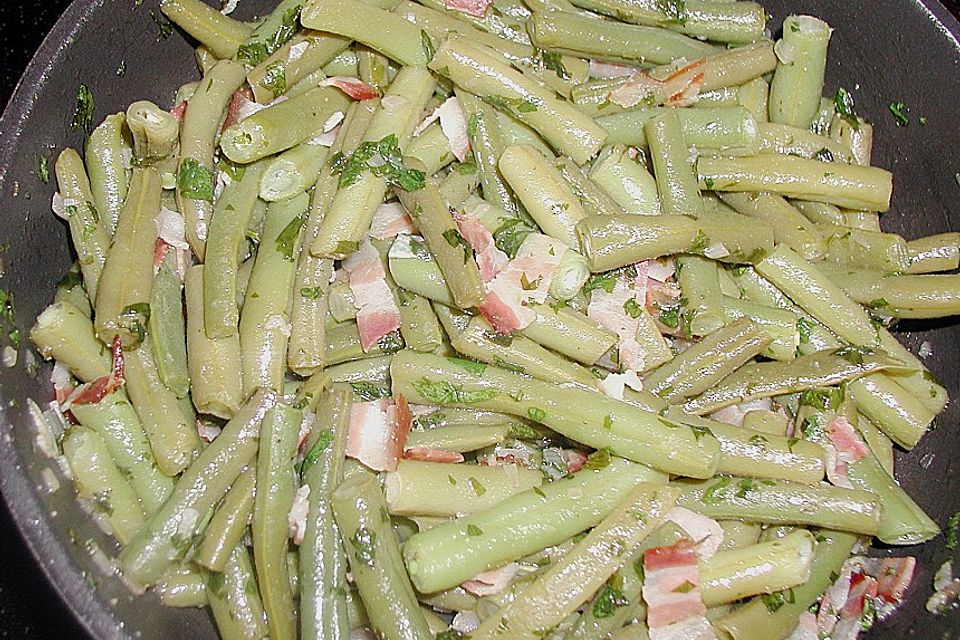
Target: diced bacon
x,y
734,414
504,317
297,518
492,582
894,578
490,259
671,585
171,228
806,628
377,313
475,8
844,448
575,459
160,250
428,454
62,382
453,124
661,270
207,431
94,392
706,533
601,69
378,431
179,111
390,220
679,89
614,384
695,628
356,89
608,310
842,606
242,105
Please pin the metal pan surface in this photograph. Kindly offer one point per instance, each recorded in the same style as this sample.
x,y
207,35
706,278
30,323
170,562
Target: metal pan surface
x,y
882,50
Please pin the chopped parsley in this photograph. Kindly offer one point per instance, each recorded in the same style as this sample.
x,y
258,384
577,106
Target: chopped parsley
x,y
287,239
844,105
442,392
632,308
323,441
510,235
455,240
312,293
511,105
598,459
674,10
476,368
383,159
369,391
363,541
610,598
715,492
134,318
477,487
773,601
553,61
898,109
474,530
536,413
275,79
195,181
427,44
953,526
83,111
43,169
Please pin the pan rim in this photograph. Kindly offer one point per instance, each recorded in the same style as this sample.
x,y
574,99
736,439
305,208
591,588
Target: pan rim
x,y
18,492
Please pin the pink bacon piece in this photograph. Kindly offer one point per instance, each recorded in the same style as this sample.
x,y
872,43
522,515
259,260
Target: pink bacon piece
x,y
475,8
679,89
428,454
356,89
390,220
493,581
377,312
844,449
490,259
671,589
806,628
94,392
608,310
706,533
179,111
453,124
601,69
378,431
241,106
159,253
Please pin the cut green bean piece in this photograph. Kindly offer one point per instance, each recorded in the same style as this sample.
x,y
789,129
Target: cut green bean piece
x,y
791,141
790,227
725,129
940,252
446,555
909,296
821,212
293,171
627,182
780,326
235,599
229,524
419,325
377,28
298,60
171,529
715,21
183,587
64,333
167,330
568,584
797,84
104,159
222,35
101,481
375,560
579,414
699,280
901,415
859,249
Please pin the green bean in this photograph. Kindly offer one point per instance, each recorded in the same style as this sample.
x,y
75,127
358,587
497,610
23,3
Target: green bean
x,y
715,21
726,129
459,184
357,200
627,182
70,290
580,414
100,481
541,188
787,140
676,179
171,431
516,132
214,363
568,584
182,587
704,364
166,328
756,619
571,274
797,83
343,344
104,159
375,560
765,421
293,171
580,35
450,250
845,185
459,438
418,323
222,35
506,22
813,292
431,148
378,29
229,524
594,200
170,530
780,502
272,502
610,242
446,490
123,301
340,302
235,599
282,125
939,252
766,379
297,60
909,296
780,326
448,554
747,453
722,97
755,97
87,231
375,370
569,333
114,420
859,138
699,281
878,443
481,71
859,249
820,212
265,321
759,568
790,227
902,416
64,333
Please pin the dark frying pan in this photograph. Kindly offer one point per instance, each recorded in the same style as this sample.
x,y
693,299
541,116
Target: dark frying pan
x,y
883,50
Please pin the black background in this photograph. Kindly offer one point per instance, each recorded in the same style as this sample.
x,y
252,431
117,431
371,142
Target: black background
x,y
28,606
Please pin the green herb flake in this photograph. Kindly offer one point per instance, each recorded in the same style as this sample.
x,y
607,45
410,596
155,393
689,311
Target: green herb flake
x,y
758,440
456,240
476,368
164,26
427,45
383,159
708,183
369,391
715,492
321,445
828,399
598,459
632,308
553,61
134,319
610,598
700,242
477,487
451,480
811,428
606,281
195,181
474,530
43,169
510,235
952,531
312,293
878,303
83,111
286,241
442,392
684,587
844,105
536,413
539,492
607,422
674,10
346,247
274,79
898,109
774,601
791,442
804,328
363,542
